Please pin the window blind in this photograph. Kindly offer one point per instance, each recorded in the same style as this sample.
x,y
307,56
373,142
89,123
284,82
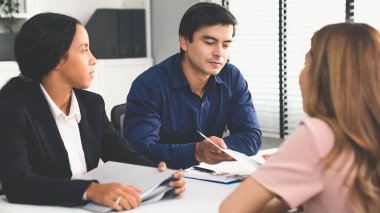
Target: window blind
x,y
303,18
254,51
271,41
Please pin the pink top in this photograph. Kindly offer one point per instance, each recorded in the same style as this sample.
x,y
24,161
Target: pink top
x,y
296,174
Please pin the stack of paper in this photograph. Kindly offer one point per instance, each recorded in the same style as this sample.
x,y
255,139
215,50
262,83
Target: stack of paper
x,y
218,177
229,171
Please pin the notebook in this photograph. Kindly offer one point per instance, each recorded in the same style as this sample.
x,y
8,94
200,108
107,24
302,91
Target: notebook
x,y
154,184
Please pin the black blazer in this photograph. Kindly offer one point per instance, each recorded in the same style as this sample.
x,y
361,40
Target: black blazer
x,y
34,166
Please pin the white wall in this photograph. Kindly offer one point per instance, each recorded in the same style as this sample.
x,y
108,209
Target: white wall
x,y
80,9
114,77
8,70
166,15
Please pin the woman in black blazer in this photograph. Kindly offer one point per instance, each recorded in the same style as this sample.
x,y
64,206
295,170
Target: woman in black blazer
x,y
52,51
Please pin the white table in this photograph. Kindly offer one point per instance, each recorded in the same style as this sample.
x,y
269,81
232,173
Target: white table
x,y
200,196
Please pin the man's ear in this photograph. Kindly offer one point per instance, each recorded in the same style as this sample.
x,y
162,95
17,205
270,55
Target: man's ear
x,y
183,42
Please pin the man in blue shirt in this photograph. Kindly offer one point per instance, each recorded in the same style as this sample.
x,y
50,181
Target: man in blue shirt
x,y
195,90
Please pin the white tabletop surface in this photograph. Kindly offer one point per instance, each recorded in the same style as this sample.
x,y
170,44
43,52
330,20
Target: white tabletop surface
x,y
200,196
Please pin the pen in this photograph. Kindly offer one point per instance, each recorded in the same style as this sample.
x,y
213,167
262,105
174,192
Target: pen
x,y
207,139
203,169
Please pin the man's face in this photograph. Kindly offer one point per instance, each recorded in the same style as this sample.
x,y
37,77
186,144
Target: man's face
x,y
209,50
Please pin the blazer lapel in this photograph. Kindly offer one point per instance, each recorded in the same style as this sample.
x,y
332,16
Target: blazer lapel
x,y
88,135
48,131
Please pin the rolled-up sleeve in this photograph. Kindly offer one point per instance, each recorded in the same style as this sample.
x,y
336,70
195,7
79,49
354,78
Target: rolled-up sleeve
x,y
242,122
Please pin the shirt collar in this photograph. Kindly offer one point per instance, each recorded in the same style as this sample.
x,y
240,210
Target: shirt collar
x,y
218,79
57,112
179,80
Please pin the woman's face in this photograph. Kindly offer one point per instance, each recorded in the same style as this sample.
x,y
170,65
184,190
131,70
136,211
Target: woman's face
x,y
77,69
304,78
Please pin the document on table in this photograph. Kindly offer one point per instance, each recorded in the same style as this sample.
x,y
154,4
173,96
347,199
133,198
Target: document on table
x,y
154,184
218,177
243,159
229,171
224,172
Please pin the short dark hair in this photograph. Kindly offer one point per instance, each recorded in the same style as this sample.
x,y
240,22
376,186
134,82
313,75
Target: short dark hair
x,y
204,14
41,43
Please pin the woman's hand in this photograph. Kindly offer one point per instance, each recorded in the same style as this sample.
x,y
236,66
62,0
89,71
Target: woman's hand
x,y
123,197
115,195
179,182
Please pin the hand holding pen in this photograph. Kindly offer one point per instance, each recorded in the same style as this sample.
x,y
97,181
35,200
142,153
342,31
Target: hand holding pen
x,y
211,152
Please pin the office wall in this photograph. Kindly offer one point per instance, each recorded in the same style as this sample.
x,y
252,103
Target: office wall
x,y
165,18
82,10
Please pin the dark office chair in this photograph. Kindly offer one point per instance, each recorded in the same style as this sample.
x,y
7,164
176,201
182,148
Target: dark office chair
x,y
117,117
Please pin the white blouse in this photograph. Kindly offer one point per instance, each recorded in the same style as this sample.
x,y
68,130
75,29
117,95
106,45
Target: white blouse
x,y
70,134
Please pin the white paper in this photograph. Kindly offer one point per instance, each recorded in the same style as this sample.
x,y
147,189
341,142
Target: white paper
x,y
220,177
243,159
147,178
229,171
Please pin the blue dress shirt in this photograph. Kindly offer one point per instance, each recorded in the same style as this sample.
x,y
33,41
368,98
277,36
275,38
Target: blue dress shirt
x,y
163,114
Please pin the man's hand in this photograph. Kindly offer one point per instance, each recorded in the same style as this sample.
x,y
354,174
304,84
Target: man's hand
x,y
178,183
208,153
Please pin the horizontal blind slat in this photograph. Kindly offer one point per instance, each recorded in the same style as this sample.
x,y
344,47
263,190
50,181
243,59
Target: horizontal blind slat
x,y
303,19
254,51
